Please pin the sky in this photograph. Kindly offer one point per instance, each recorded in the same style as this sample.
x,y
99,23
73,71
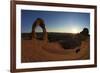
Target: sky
x,y
63,22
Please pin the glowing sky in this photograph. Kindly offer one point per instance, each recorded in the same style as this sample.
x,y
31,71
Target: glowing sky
x,y
67,22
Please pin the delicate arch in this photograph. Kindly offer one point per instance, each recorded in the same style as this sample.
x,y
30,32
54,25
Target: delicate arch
x,y
39,22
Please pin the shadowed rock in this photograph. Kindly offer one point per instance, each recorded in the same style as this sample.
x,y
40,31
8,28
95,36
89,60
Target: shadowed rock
x,y
35,50
39,22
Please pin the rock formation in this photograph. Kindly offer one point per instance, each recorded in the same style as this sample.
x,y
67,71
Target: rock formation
x,y
42,50
39,22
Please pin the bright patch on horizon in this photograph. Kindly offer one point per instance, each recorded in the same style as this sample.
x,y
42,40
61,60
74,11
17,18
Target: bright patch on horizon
x,y
75,30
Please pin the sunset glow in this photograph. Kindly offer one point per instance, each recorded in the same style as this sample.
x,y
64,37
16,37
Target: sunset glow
x,y
60,22
74,30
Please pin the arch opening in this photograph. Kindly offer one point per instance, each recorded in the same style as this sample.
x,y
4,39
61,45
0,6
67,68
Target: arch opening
x,y
43,34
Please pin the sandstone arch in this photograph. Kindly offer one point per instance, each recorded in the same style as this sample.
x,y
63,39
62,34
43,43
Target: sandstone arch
x,y
39,22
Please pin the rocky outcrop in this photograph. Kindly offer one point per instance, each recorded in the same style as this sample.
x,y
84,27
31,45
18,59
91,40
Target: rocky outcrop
x,y
39,22
36,50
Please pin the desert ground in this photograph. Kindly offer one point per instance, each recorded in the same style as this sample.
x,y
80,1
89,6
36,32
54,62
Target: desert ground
x,y
36,50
